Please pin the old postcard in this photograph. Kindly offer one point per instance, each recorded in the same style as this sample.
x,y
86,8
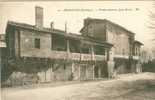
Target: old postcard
x,y
77,50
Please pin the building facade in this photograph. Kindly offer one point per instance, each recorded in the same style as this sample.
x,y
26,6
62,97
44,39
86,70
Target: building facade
x,y
125,51
54,54
3,58
44,54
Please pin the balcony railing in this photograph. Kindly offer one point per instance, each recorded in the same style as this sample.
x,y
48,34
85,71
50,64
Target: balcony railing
x,y
65,55
58,55
86,57
76,56
135,57
99,57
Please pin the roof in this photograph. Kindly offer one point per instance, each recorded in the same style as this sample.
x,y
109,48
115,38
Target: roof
x,y
55,31
138,42
105,20
75,36
35,28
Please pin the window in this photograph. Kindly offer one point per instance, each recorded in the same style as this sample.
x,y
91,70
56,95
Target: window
x,y
37,43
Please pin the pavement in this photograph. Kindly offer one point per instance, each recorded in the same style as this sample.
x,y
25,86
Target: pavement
x,y
124,87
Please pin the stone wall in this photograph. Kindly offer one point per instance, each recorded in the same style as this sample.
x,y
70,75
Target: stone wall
x,y
63,72
76,71
90,72
21,78
82,71
119,38
96,29
27,45
57,72
122,66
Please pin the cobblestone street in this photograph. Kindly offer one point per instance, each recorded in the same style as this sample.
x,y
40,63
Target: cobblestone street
x,y
125,87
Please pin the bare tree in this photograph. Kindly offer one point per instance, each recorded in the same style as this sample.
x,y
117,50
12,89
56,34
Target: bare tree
x,y
152,27
152,18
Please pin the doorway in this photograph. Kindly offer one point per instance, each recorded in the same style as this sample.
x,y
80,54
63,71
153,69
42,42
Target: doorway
x,y
83,70
96,71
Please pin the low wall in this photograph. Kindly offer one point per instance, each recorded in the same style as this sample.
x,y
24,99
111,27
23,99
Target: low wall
x,y
54,72
149,66
123,66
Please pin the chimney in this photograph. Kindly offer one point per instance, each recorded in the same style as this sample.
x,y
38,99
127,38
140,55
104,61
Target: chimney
x,y
39,16
52,25
65,27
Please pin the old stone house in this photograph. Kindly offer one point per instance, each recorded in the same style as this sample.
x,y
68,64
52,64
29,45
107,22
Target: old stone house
x,y
50,54
125,51
53,54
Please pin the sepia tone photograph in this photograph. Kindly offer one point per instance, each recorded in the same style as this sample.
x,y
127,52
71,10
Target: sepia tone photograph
x,y
77,50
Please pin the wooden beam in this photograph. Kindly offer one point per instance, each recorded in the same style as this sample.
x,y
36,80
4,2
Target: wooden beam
x,y
79,73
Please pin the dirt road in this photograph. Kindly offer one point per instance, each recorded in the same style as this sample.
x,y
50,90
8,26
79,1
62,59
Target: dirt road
x,y
125,87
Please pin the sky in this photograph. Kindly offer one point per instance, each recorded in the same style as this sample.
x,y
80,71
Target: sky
x,y
133,15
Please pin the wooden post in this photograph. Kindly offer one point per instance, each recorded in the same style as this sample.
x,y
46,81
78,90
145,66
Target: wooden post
x,y
73,67
45,76
72,73
93,71
93,58
51,71
99,72
79,73
108,63
52,42
86,72
107,54
68,49
92,52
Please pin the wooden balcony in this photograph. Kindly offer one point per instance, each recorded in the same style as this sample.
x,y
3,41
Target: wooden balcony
x,y
74,56
86,57
64,56
100,57
58,55
136,57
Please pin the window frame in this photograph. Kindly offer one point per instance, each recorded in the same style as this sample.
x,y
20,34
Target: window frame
x,y
37,43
